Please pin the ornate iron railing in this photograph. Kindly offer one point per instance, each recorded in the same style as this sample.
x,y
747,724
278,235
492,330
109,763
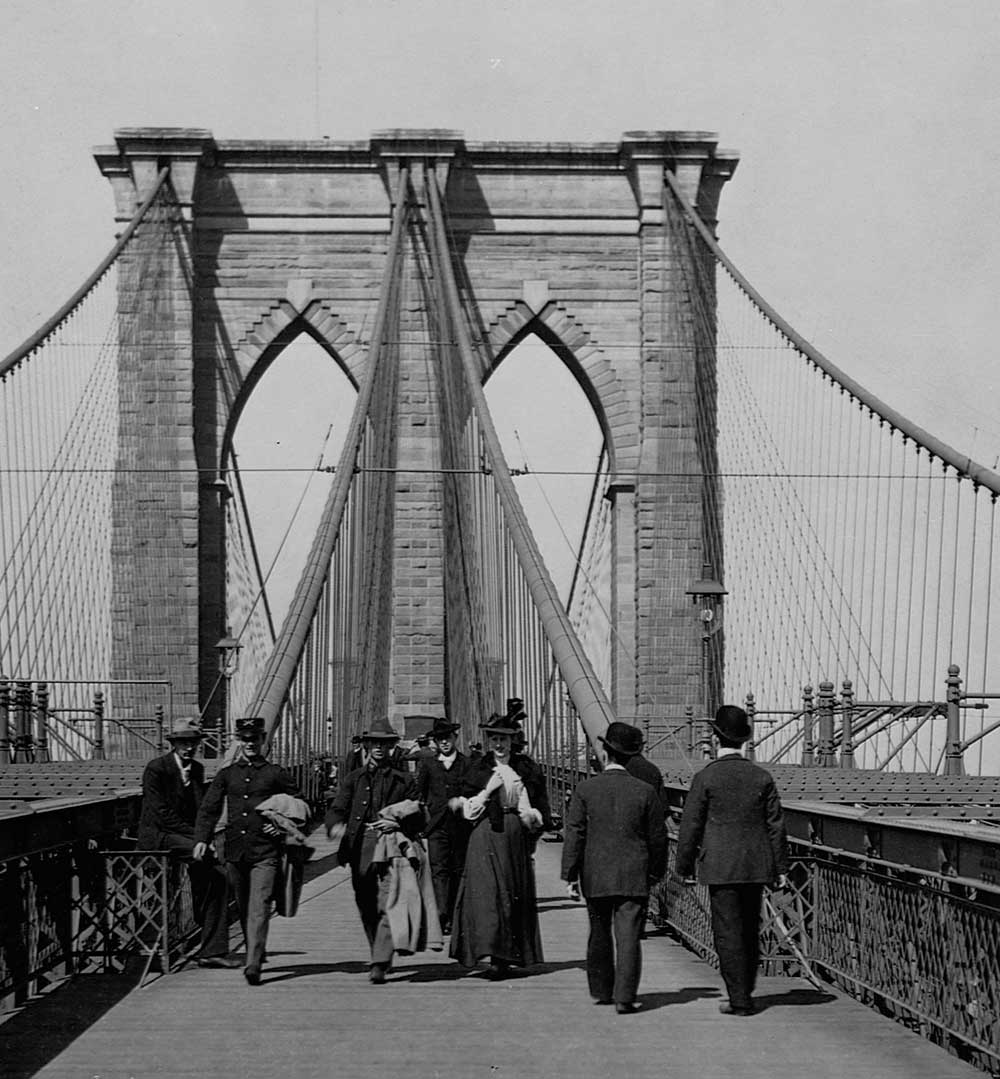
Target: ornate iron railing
x,y
918,946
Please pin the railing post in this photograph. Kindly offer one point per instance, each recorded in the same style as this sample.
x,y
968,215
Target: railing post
x,y
751,709
847,727
97,753
42,721
5,754
161,744
953,763
807,726
689,719
23,742
825,709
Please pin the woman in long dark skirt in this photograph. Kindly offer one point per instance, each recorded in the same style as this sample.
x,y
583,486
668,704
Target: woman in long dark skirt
x,y
496,914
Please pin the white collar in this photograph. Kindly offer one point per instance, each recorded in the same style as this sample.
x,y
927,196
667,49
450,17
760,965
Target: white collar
x,y
613,765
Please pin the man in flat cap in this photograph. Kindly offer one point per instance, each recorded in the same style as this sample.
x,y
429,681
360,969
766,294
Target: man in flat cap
x,y
173,786
733,830
616,846
355,818
252,842
438,780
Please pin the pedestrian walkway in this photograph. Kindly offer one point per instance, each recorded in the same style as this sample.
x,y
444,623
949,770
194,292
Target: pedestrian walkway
x,y
315,1014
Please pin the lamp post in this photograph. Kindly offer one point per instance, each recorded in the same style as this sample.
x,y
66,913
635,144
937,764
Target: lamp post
x,y
707,595
228,648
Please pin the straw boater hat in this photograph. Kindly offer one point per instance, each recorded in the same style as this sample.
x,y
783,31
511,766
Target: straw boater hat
x,y
380,731
185,728
732,724
623,738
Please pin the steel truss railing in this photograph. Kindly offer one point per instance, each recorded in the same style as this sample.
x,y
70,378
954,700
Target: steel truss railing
x,y
918,946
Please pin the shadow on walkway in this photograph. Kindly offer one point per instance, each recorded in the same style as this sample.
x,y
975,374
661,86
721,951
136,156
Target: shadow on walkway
x,y
37,1034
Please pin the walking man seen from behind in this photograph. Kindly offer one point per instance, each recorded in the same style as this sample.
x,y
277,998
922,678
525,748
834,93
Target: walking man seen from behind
x,y
615,846
732,828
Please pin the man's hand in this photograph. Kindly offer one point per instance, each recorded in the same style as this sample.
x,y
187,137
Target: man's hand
x,y
781,883
494,783
455,804
689,882
198,851
272,830
384,826
573,891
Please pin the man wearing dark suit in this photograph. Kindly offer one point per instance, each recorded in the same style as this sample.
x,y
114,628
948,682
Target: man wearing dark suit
x,y
615,845
172,790
732,828
354,818
439,779
252,842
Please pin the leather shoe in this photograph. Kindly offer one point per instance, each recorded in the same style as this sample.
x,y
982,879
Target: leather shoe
x,y
626,1009
252,975
496,971
377,974
603,1000
221,962
729,1009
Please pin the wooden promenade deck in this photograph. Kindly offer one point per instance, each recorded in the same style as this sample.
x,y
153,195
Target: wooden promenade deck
x,y
315,1014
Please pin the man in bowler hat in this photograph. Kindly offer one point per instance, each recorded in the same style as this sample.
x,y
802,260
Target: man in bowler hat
x,y
173,786
252,842
438,780
733,830
615,846
354,818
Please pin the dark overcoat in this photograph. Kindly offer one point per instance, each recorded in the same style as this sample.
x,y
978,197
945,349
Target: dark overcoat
x,y
241,787
435,785
355,806
168,807
615,836
732,828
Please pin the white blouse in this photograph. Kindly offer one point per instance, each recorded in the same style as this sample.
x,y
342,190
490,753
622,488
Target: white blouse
x,y
512,795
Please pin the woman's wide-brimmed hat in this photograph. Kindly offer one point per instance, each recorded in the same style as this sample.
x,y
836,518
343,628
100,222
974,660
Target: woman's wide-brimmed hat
x,y
381,730
497,724
623,738
732,724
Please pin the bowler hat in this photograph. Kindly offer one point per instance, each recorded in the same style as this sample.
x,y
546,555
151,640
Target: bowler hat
x,y
497,724
444,728
623,738
185,728
381,730
732,724
248,726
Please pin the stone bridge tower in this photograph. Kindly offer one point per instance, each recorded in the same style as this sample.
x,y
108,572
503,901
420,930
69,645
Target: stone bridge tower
x,y
565,240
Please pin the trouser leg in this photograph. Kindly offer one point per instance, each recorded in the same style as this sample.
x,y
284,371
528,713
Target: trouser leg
x,y
727,903
366,897
629,919
259,894
600,950
382,946
210,892
752,895
439,851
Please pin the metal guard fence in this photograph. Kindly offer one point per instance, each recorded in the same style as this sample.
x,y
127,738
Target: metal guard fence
x,y
72,909
919,947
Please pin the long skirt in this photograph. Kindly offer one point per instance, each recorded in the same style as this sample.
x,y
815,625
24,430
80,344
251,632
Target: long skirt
x,y
496,913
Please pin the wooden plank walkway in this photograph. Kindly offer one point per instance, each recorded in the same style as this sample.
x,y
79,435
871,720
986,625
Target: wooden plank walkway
x,y
315,1014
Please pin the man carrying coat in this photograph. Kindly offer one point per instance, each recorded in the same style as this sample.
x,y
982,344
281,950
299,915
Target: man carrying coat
x,y
733,829
252,842
173,786
615,846
355,818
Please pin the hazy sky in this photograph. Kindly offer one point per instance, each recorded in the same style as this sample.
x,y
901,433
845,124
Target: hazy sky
x,y
865,208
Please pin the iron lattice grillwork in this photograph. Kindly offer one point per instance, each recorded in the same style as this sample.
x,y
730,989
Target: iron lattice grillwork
x,y
71,909
919,947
